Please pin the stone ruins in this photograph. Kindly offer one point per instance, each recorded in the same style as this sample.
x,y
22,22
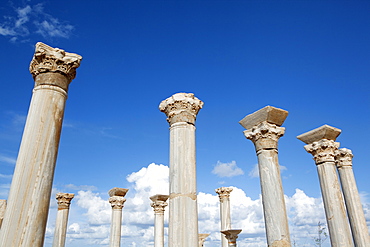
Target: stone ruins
x,y
24,214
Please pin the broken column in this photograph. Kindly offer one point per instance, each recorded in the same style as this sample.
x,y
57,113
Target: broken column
x,y
224,195
64,200
232,234
321,144
159,203
263,129
202,238
357,220
28,203
181,110
116,200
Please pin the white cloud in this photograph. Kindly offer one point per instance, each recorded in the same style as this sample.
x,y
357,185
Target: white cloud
x,y
227,169
80,187
33,20
7,159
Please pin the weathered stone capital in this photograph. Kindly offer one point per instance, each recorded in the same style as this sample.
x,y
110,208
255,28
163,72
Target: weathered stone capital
x,y
117,192
181,107
55,60
202,238
265,135
159,203
231,235
223,193
343,157
323,150
64,200
117,202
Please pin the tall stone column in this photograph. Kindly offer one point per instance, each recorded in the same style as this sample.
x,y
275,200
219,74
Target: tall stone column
x,y
28,203
2,211
263,129
159,203
64,200
202,238
321,144
357,220
232,234
181,110
116,200
224,195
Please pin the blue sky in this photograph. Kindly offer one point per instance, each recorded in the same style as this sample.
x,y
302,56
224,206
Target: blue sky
x,y
311,58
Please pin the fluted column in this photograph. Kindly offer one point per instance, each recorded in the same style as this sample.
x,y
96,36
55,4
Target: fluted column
x,y
232,234
2,211
158,204
116,200
28,203
64,200
181,110
360,232
263,129
202,238
321,144
224,195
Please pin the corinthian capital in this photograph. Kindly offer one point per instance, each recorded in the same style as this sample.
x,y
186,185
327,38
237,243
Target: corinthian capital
x,y
64,200
117,202
343,157
323,150
181,107
159,203
265,135
48,59
223,193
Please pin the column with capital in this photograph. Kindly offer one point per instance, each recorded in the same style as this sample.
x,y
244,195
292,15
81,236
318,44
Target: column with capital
x,y
321,144
202,238
158,204
357,220
181,110
263,129
232,234
64,200
224,195
116,200
28,203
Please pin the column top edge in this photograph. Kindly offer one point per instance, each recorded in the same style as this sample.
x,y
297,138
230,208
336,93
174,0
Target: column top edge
x,y
270,114
323,132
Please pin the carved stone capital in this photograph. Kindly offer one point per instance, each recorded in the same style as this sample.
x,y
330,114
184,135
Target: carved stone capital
x,y
55,60
159,206
323,150
265,135
202,238
64,200
343,157
117,202
231,235
181,107
223,193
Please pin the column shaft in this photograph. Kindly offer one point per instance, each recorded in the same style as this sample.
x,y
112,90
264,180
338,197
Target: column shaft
x,y
224,195
61,228
272,196
115,230
158,230
183,212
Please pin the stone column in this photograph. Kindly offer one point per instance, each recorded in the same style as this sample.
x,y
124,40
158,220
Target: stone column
x,y
321,144
357,220
263,129
64,200
202,238
2,211
224,195
181,110
232,234
116,200
159,203
28,203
